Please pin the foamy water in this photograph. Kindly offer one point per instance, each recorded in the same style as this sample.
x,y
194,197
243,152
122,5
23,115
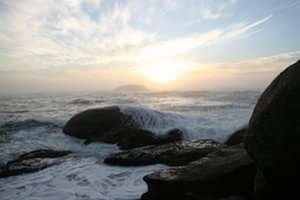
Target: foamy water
x,y
34,121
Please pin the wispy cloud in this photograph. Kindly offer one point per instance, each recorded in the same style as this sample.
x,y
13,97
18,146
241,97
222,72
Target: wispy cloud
x,y
175,46
212,9
273,63
253,73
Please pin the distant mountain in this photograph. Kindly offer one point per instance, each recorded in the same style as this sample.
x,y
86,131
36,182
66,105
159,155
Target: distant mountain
x,y
131,88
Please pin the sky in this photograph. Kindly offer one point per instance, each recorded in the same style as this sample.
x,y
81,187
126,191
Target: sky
x,y
82,45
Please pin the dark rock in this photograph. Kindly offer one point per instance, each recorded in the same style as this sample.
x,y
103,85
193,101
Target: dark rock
x,y
97,123
193,196
262,190
177,153
273,137
129,138
2,167
229,171
172,135
133,137
31,162
110,125
237,137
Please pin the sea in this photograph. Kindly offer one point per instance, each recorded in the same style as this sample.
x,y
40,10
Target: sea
x,y
34,121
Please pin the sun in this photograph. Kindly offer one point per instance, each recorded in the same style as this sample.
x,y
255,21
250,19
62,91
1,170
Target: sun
x,y
163,72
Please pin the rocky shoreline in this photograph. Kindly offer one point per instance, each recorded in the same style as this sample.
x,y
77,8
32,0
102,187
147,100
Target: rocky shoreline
x,y
260,161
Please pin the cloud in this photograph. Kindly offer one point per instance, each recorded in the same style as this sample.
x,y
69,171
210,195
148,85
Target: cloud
x,y
64,34
59,34
213,9
252,74
175,46
274,63
243,27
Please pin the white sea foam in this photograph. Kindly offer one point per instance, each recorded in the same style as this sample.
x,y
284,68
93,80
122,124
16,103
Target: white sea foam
x,y
193,126
78,178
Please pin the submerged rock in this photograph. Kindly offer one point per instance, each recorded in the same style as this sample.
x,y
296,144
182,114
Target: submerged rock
x,y
273,137
177,153
110,125
31,162
229,171
237,137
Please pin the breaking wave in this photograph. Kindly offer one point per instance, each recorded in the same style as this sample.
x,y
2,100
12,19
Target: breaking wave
x,y
193,127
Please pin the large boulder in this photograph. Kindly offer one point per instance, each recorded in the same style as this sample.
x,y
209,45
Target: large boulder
x,y
32,162
273,137
229,171
110,125
97,123
173,154
237,137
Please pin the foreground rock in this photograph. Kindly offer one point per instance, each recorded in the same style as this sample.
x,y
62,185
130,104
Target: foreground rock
x,y
31,162
178,153
273,137
227,172
237,137
110,125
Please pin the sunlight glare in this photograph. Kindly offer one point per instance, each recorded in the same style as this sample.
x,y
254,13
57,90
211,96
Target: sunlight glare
x,y
163,72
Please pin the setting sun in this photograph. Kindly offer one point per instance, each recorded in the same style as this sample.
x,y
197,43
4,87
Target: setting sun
x,y
163,72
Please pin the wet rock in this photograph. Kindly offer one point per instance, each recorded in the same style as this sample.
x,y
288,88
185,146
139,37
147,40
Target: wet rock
x,y
2,167
31,162
273,137
97,123
229,171
110,125
129,138
177,153
237,137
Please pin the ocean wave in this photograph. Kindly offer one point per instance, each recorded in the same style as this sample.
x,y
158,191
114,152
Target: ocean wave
x,y
159,122
14,111
27,124
81,101
202,108
198,125
4,136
